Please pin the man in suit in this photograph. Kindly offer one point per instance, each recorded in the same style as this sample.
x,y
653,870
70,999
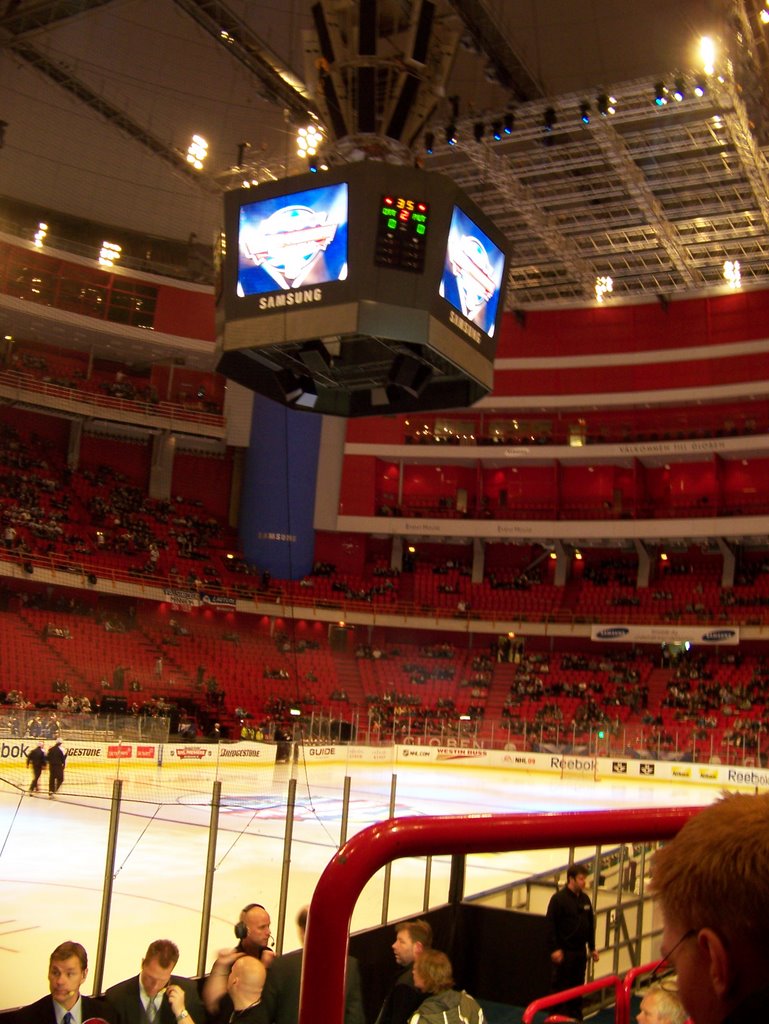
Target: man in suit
x,y
67,970
156,994
281,992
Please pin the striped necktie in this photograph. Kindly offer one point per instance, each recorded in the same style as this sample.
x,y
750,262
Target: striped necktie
x,y
152,1011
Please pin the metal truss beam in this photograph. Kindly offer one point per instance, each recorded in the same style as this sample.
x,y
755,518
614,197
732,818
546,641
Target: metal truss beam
x,y
562,249
634,181
118,118
510,70
30,18
276,83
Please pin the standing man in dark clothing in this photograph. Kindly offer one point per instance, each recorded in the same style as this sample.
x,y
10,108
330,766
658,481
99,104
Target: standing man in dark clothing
x,y
57,758
281,992
570,935
37,760
411,939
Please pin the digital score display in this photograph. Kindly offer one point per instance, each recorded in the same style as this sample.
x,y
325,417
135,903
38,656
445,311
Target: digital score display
x,y
401,233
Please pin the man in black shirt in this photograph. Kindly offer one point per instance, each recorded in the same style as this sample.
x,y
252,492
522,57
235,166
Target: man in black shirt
x,y
570,935
411,938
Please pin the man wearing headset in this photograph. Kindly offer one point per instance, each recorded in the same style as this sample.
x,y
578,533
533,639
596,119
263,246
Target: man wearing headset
x,y
254,939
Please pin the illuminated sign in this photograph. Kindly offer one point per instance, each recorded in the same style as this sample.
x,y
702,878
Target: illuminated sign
x,y
293,240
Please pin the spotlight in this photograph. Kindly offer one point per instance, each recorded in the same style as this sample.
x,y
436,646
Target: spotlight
x,y
312,165
451,134
478,130
429,143
700,87
602,105
508,123
549,119
659,94
584,112
679,92
496,130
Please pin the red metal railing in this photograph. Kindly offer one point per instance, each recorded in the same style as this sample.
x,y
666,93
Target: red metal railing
x,y
557,998
340,885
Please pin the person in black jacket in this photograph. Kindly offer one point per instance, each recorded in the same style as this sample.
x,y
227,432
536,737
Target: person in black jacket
x,y
57,758
67,970
411,939
169,994
281,991
570,935
37,760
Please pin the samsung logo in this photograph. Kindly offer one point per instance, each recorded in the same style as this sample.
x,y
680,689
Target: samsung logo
x,y
295,298
465,327
719,634
612,632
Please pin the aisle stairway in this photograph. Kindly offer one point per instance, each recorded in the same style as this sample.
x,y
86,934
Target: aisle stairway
x,y
502,679
657,681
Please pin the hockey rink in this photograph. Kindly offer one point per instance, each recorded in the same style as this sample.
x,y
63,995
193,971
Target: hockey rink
x,y
53,852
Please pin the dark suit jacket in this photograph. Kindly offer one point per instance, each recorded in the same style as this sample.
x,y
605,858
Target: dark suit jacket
x,y
42,1012
125,999
281,991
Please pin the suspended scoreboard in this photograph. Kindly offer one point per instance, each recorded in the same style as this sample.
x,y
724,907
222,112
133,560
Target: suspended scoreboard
x,y
369,288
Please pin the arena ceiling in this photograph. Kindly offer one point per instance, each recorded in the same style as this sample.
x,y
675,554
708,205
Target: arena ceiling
x,y
100,99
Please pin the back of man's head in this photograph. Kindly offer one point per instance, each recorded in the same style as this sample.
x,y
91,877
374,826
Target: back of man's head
x,y
164,951
246,981
715,874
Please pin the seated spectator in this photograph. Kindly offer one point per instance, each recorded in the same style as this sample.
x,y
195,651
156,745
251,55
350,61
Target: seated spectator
x,y
443,1003
661,1005
712,883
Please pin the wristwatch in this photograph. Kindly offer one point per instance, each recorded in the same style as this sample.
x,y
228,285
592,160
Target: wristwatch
x,y
183,1014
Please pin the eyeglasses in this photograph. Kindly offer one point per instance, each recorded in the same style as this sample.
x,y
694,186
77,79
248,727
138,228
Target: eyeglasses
x,y
665,964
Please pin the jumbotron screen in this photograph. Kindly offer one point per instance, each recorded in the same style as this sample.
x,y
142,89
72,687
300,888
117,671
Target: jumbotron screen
x,y
291,244
364,289
473,272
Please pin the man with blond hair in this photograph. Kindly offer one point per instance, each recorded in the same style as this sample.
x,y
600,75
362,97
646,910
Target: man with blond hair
x,y
712,883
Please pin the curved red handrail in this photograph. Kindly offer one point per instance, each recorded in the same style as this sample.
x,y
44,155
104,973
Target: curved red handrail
x,y
340,885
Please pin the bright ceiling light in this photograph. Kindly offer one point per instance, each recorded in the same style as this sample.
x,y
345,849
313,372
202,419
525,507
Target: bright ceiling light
x,y
708,54
197,151
309,140
603,286
109,254
42,231
732,274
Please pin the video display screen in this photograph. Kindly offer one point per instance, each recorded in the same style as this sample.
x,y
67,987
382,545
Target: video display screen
x,y
292,240
473,272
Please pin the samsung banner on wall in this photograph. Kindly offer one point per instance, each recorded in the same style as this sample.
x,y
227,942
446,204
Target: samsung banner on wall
x,y
710,636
